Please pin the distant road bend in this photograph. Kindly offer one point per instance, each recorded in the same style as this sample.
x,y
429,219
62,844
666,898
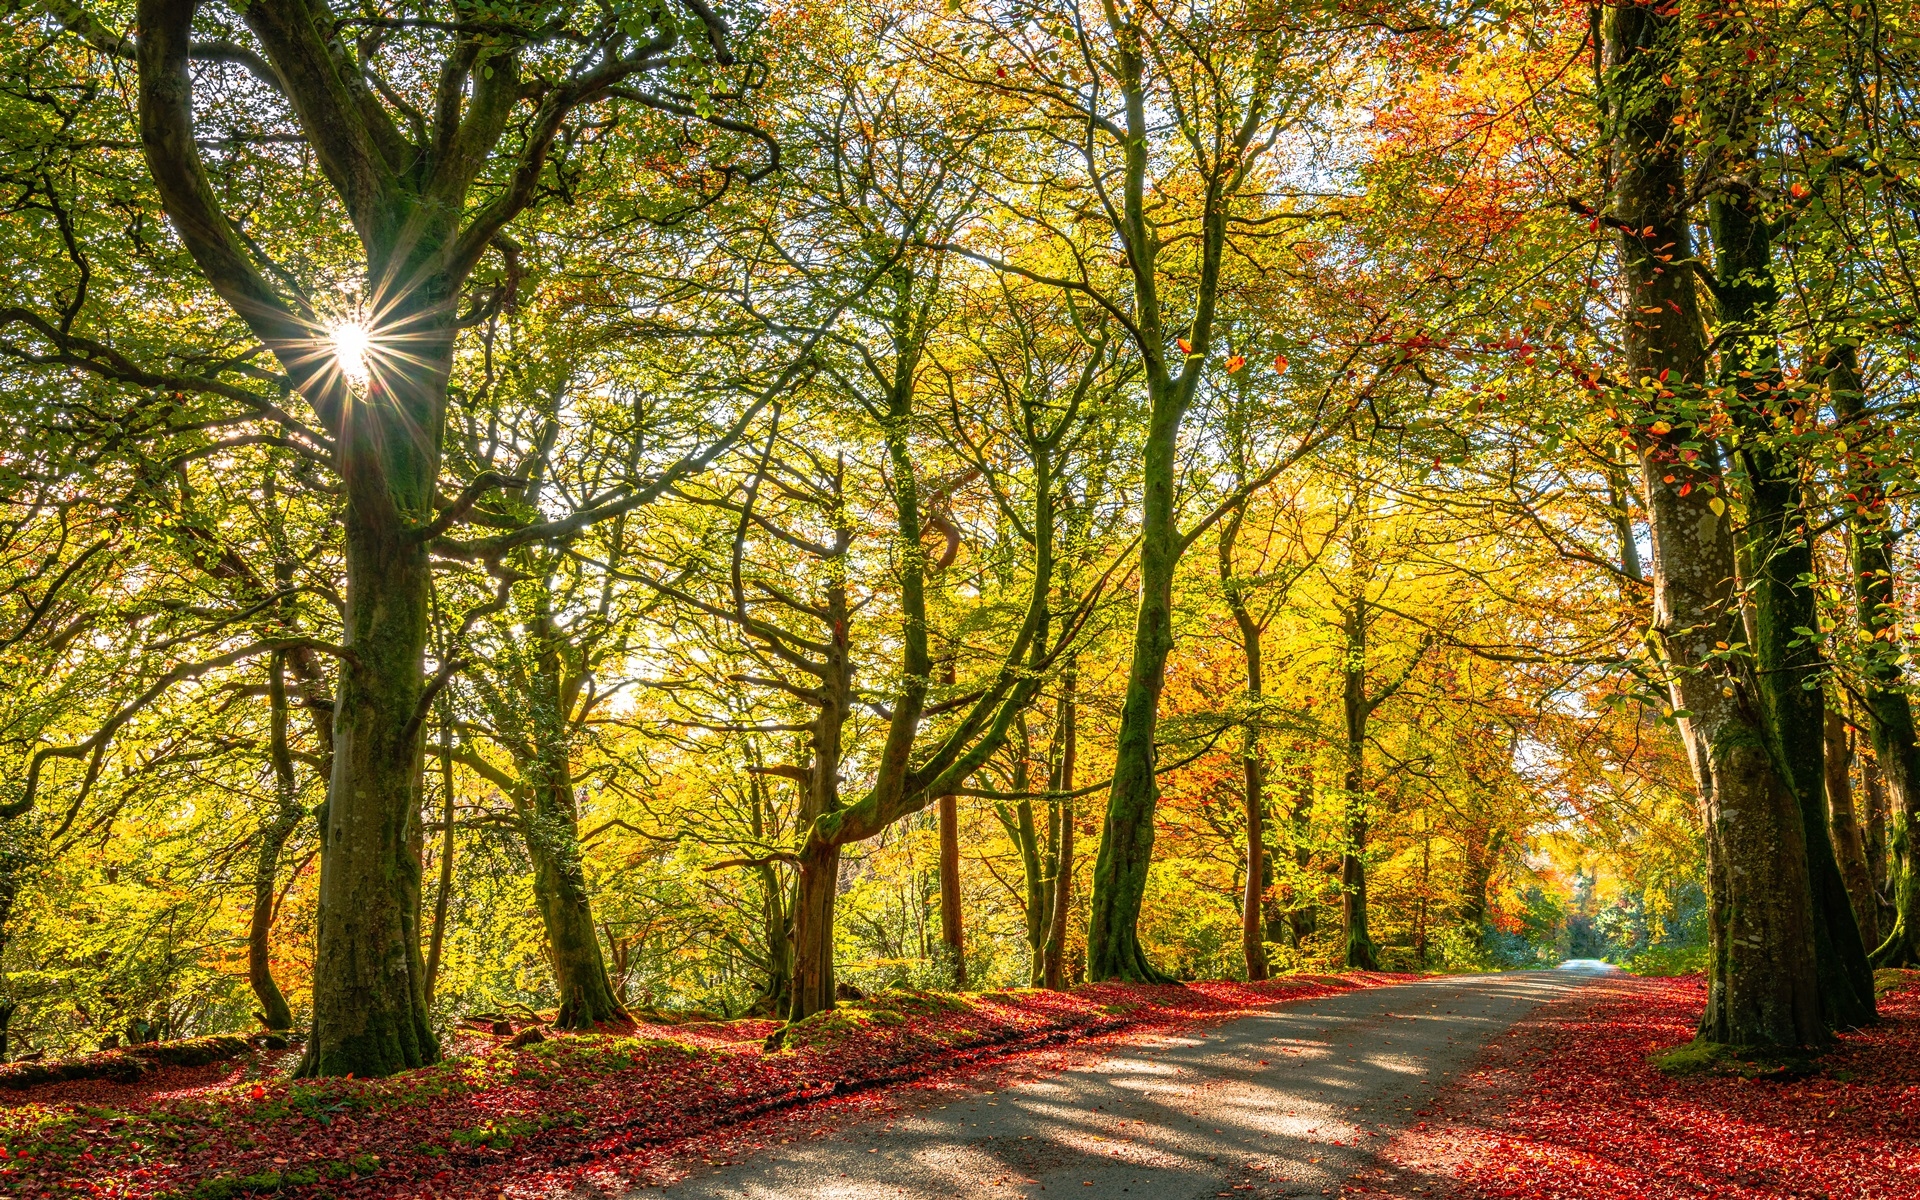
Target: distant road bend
x,y
1286,1103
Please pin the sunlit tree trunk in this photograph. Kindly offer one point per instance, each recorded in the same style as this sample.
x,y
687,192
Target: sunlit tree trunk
x,y
953,942
1763,986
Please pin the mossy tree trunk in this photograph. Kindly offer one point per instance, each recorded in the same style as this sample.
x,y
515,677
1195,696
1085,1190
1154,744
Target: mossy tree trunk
x,y
1763,985
1775,553
1889,711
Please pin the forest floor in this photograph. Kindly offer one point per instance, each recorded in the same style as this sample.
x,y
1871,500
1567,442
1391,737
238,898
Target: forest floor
x,y
494,1120
1563,1104
1569,1106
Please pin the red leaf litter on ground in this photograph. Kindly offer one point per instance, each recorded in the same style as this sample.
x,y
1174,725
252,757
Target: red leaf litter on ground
x,y
493,1121
1569,1107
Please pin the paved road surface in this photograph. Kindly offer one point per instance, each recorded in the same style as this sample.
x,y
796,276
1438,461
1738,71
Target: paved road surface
x,y
1287,1103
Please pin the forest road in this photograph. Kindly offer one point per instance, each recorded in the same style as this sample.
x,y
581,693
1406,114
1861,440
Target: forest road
x,y
1285,1103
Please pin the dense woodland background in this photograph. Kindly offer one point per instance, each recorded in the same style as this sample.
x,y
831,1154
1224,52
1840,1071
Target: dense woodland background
x,y
795,457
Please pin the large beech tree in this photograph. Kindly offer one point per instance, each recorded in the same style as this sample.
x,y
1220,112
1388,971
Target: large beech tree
x,y
1763,985
429,166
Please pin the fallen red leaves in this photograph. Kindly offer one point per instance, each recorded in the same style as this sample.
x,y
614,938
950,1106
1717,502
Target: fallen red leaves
x,y
1570,1108
493,1120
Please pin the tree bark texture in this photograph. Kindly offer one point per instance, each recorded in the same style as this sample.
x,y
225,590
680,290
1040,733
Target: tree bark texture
x,y
1763,987
1775,553
952,938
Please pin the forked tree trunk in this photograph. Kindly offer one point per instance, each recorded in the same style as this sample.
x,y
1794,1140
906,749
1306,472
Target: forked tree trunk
x,y
1763,988
818,868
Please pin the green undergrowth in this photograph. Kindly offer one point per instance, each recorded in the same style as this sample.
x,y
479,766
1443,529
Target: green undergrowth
x,y
1893,979
260,1183
825,1030
1747,1062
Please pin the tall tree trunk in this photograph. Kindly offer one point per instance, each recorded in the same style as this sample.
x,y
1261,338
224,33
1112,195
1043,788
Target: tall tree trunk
x,y
1849,846
1253,947
273,834
819,861
1025,835
1776,557
1303,914
1060,907
553,835
952,937
370,979
1763,987
1359,953
1889,711
1126,840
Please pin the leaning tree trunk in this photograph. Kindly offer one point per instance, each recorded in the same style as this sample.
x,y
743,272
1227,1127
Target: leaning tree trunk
x,y
1849,845
552,827
273,833
1126,840
566,908
1763,987
1889,711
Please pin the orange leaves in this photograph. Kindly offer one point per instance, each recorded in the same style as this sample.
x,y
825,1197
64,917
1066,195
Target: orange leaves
x,y
1235,363
1280,364
1186,347
1799,190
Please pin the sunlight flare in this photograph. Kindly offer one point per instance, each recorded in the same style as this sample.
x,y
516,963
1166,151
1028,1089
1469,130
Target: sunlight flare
x,y
351,343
